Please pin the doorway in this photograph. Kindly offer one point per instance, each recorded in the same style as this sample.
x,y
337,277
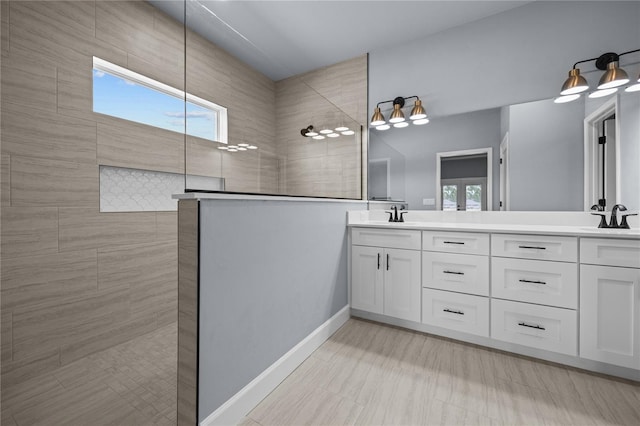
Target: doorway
x,y
601,157
379,179
464,180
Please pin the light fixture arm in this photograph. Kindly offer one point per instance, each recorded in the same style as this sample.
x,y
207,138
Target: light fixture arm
x,y
605,58
397,101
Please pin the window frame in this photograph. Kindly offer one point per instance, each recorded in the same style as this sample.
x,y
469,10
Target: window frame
x,y
121,72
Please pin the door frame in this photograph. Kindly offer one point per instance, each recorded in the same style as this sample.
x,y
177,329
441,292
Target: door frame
x,y
388,162
463,153
591,147
505,188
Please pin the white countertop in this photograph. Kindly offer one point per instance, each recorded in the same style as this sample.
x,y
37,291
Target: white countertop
x,y
569,224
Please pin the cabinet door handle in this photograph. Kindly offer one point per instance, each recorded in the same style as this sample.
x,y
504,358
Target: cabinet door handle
x,y
378,260
533,247
454,242
532,282
453,272
537,327
453,312
387,261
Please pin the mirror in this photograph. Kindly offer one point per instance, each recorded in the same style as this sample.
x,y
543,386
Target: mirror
x,y
542,158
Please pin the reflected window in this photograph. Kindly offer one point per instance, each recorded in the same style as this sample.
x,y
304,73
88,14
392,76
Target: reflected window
x,y
124,94
464,194
450,197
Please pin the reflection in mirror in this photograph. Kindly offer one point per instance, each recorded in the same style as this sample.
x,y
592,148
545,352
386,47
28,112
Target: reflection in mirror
x,y
463,180
548,161
266,152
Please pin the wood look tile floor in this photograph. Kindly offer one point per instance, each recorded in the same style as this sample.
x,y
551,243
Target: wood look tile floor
x,y
131,384
372,374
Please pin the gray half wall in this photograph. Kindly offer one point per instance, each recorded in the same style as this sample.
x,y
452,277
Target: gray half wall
x,y
271,272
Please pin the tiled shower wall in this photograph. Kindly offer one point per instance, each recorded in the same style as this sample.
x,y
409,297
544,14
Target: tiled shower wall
x,y
329,166
75,280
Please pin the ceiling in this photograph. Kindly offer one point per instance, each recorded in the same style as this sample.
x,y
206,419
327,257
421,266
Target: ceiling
x,y
285,38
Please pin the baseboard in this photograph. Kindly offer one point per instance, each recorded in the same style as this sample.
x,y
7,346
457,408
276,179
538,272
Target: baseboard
x,y
237,407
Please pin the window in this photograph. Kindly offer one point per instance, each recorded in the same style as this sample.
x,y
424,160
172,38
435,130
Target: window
x,y
464,194
122,93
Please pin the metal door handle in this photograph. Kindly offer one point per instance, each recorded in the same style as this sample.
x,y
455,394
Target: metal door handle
x,y
378,260
387,261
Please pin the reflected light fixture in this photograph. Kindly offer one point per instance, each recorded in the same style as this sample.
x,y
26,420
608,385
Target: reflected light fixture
x,y
309,132
397,118
613,77
634,87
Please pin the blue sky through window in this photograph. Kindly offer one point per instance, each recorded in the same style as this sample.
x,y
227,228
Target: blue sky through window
x,y
118,97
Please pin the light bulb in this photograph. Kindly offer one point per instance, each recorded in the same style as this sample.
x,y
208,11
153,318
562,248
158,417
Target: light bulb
x,y
565,99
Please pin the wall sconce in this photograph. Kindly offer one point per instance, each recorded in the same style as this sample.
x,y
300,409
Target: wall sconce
x,y
309,132
418,115
613,78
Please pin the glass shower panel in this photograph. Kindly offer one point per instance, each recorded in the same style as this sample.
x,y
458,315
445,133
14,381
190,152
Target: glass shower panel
x,y
264,150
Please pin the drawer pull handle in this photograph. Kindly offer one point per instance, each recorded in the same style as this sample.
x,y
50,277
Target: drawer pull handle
x,y
454,242
378,260
533,282
537,327
387,261
453,272
453,312
533,247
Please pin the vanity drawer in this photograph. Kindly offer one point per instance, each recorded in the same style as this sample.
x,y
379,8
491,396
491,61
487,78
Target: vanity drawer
x,y
464,273
535,281
610,252
540,247
392,238
540,327
461,312
456,242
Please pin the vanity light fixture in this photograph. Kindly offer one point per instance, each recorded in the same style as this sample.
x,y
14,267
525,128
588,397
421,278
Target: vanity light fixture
x,y
309,132
397,118
613,78
634,87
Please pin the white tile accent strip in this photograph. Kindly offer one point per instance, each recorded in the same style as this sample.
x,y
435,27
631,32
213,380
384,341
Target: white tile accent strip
x,y
132,190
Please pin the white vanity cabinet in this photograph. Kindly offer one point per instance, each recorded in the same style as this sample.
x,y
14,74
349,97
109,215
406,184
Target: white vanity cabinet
x,y
571,296
455,281
610,301
385,268
534,290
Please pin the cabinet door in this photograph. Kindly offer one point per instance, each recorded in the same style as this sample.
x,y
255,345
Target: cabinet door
x,y
610,315
402,288
366,278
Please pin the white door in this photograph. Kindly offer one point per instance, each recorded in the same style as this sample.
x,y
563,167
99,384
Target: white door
x,y
402,290
366,278
610,315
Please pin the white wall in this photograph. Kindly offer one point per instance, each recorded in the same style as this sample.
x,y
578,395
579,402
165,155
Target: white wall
x,y
546,154
520,55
